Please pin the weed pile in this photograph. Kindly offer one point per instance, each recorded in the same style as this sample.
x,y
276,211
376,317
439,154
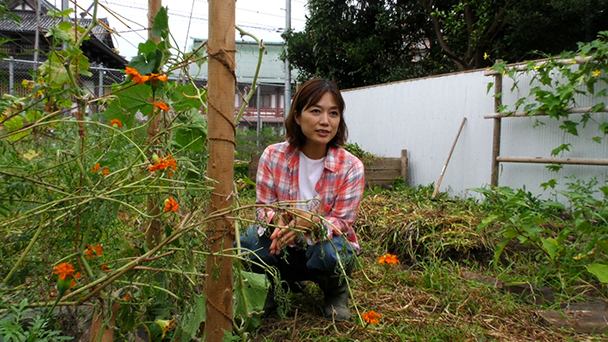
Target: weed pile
x,y
412,226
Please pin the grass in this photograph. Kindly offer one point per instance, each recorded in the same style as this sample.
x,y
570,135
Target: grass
x,y
427,296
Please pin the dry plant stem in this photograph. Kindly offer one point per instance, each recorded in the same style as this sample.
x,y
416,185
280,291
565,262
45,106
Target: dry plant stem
x,y
262,48
100,284
26,251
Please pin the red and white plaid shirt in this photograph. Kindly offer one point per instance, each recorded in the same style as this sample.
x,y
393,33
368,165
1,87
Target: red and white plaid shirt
x,y
340,187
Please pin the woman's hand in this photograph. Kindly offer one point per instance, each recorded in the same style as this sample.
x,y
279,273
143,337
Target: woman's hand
x,y
282,237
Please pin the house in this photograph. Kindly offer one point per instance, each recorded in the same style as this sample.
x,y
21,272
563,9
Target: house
x,y
99,48
22,34
271,79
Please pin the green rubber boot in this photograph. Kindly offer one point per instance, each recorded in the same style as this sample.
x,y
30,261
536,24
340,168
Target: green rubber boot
x,y
335,291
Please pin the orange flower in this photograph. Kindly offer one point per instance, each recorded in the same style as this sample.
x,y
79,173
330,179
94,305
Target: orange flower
x,y
388,259
93,251
64,270
139,79
105,171
98,249
95,168
131,71
162,164
171,204
161,105
105,268
154,77
371,317
127,297
116,122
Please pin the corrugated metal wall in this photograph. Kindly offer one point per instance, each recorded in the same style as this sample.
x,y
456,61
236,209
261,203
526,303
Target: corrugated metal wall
x,y
423,116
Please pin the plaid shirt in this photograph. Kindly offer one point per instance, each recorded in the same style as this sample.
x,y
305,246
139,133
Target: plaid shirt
x,y
340,187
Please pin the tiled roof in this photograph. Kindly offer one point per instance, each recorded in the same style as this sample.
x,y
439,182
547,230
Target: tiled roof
x,y
101,37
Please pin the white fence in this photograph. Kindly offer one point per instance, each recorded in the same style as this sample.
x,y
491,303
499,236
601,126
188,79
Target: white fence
x,y
423,116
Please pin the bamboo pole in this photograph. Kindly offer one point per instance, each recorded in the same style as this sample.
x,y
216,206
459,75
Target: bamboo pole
x,y
220,167
545,160
497,129
445,166
573,110
154,125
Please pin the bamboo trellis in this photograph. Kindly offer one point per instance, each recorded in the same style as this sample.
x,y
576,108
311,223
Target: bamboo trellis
x,y
497,117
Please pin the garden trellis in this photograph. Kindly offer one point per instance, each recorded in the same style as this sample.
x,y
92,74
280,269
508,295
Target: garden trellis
x,y
501,112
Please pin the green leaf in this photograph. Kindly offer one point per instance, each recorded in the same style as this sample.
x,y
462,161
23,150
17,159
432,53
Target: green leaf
x,y
499,249
559,149
550,246
192,318
485,222
127,103
13,124
160,28
148,59
570,127
600,271
193,135
186,97
250,302
490,85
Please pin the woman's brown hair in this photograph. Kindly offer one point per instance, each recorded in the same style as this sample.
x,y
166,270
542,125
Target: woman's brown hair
x,y
309,94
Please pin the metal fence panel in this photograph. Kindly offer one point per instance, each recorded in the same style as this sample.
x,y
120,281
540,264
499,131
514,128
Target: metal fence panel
x,y
423,116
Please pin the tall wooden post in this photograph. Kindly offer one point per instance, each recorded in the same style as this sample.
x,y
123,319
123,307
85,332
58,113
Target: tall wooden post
x,y
497,129
153,232
221,127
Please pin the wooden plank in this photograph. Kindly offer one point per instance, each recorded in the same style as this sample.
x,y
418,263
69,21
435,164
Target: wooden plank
x,y
382,174
573,110
385,163
404,165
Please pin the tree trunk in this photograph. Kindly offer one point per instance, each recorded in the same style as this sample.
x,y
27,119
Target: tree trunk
x,y
220,97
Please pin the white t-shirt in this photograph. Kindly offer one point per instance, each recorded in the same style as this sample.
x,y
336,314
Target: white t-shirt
x,y
310,173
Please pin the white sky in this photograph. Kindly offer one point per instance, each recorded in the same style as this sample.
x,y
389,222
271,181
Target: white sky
x,y
263,18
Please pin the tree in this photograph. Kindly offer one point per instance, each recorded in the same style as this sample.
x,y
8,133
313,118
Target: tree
x,y
359,42
362,42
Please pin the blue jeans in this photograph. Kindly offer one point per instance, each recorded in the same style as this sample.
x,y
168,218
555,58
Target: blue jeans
x,y
296,264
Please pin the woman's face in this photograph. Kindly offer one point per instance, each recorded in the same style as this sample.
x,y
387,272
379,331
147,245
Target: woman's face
x,y
319,123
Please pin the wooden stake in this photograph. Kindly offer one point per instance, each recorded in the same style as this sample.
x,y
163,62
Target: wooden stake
x,y
445,166
220,167
153,231
497,129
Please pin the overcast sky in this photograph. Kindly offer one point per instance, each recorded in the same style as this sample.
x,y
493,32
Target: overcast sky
x,y
189,19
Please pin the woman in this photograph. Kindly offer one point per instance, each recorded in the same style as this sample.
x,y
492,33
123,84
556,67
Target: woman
x,y
319,185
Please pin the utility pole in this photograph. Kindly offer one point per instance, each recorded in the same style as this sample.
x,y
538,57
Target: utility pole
x,y
287,67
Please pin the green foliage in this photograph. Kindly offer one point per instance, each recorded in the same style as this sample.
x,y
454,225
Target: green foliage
x,y
366,42
357,151
17,327
564,249
247,141
559,81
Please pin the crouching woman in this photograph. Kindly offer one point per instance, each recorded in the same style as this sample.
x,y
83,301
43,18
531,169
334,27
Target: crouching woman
x,y
320,185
